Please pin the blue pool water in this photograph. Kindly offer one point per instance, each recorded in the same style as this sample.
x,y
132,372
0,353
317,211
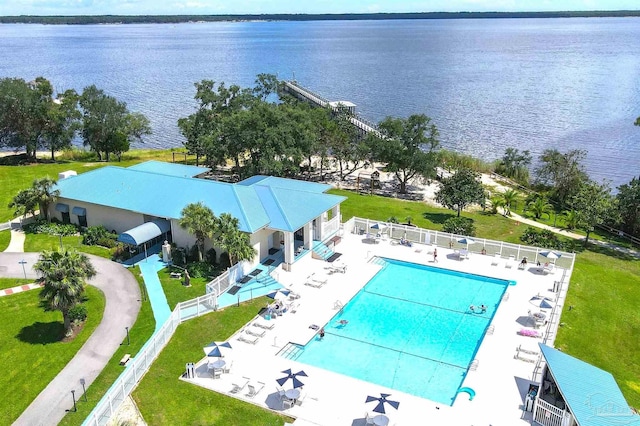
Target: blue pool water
x,y
410,329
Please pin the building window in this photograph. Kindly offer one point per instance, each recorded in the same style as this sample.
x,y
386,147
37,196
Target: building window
x,y
82,221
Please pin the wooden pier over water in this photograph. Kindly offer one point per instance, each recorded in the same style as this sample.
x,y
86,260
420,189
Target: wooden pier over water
x,y
364,126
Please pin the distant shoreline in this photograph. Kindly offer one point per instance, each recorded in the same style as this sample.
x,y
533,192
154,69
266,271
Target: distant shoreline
x,y
175,19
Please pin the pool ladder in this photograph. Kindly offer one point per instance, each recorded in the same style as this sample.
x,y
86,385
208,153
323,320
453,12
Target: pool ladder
x,y
291,351
376,260
474,365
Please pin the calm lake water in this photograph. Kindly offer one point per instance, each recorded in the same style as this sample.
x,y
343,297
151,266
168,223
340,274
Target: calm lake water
x,y
488,84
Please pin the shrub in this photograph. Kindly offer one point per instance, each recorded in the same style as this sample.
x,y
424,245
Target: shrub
x,y
78,313
224,261
51,228
460,226
120,252
98,235
211,256
541,238
200,269
178,256
193,255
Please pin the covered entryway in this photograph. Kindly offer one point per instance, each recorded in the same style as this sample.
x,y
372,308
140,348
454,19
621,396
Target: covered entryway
x,y
147,235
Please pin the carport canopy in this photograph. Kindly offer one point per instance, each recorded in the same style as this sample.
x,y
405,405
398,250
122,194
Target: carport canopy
x,y
145,232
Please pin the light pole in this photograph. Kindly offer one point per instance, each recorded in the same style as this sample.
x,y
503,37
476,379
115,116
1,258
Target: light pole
x,y
128,341
73,395
23,262
84,390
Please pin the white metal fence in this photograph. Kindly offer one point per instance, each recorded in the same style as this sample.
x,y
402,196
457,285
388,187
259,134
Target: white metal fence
x,y
358,225
140,364
330,227
222,282
548,414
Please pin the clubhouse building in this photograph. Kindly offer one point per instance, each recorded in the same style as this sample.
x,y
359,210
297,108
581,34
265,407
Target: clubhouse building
x,y
143,204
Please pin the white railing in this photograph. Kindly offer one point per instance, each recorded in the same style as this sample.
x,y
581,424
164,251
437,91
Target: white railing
x,y
222,282
330,227
138,366
444,239
547,414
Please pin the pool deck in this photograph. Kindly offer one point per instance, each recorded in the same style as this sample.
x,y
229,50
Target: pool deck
x,y
500,381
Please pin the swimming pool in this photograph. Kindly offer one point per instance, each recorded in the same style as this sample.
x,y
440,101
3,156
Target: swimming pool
x,y
409,329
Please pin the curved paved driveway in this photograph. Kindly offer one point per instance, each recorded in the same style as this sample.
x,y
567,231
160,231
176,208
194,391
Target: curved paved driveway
x,y
122,295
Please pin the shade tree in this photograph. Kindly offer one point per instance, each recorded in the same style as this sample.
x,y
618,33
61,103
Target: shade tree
x,y
460,190
628,202
593,203
408,146
563,173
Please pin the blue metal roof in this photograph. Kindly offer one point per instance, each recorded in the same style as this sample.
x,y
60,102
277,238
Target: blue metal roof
x,y
592,394
169,169
145,232
272,202
278,182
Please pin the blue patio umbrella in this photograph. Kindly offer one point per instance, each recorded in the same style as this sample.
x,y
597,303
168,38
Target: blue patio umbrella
x,y
466,241
279,294
293,376
541,302
213,348
382,399
378,226
551,255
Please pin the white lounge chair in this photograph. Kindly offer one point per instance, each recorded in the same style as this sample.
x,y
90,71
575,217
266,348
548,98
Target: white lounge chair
x,y
528,351
251,341
368,419
227,367
255,333
263,324
549,269
496,259
318,280
254,389
237,388
336,267
510,262
525,357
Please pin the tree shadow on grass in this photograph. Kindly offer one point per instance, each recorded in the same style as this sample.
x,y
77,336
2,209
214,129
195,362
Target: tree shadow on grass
x,y
41,333
438,218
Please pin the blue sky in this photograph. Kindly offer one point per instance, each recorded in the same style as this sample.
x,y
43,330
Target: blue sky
x,y
139,7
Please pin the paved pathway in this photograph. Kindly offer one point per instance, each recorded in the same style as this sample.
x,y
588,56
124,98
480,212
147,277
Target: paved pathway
x,y
16,245
628,251
122,295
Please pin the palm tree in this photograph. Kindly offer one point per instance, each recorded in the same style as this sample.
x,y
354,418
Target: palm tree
x,y
509,196
200,221
63,274
572,219
44,195
496,202
540,206
235,242
24,203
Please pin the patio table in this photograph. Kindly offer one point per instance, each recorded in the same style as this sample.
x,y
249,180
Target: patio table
x,y
292,394
218,364
381,420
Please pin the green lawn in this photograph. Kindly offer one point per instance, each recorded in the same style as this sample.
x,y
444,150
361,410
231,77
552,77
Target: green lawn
x,y
603,326
180,403
138,334
176,292
381,208
13,282
5,239
39,242
32,352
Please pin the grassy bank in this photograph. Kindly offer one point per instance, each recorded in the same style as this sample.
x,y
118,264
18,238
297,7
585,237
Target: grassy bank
x,y
5,239
424,216
39,242
186,404
32,348
601,320
138,335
